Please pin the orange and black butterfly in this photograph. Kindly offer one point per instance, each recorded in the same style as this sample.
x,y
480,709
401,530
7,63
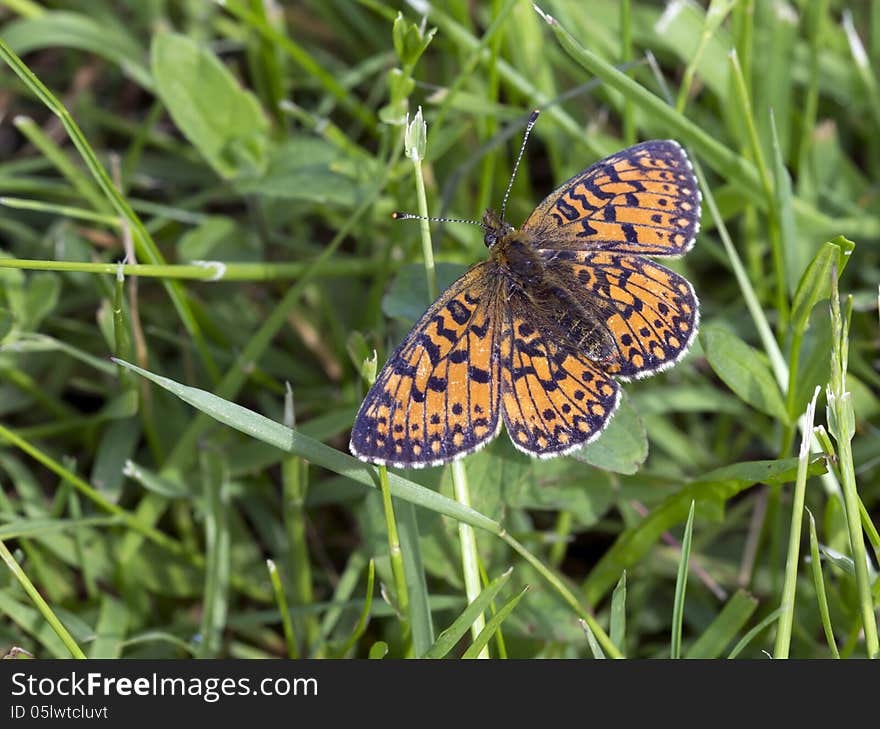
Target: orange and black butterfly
x,y
537,336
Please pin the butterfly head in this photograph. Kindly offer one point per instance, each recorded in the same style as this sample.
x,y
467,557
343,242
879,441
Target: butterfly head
x,y
495,228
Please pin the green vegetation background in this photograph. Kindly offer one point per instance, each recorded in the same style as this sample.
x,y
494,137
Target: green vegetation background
x,y
243,159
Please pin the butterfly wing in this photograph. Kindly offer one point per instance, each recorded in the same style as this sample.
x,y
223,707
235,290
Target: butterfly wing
x,y
554,398
650,312
437,397
644,199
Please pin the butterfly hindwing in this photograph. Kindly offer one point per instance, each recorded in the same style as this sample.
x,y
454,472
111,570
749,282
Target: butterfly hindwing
x,y
650,312
554,399
438,395
644,199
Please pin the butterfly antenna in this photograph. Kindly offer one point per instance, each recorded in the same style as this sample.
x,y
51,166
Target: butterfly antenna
x,y
533,117
412,216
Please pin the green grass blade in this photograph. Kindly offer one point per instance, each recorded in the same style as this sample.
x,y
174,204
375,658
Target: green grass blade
x,y
819,584
449,637
617,630
476,649
47,613
281,601
724,628
681,585
786,619
754,632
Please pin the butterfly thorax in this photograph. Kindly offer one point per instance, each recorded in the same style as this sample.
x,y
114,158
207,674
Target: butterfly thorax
x,y
530,276
518,260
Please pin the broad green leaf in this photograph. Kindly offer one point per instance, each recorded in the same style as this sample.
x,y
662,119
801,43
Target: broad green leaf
x,y
448,639
111,628
744,370
43,289
713,488
414,573
685,399
304,168
623,447
407,298
6,322
115,446
679,29
724,628
815,284
502,477
207,238
222,120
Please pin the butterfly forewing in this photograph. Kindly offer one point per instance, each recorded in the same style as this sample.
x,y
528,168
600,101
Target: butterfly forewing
x,y
437,396
644,199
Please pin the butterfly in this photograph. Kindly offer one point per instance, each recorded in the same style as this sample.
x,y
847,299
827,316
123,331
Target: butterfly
x,y
538,335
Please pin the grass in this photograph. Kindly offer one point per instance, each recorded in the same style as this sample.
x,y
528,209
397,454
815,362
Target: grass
x,y
203,193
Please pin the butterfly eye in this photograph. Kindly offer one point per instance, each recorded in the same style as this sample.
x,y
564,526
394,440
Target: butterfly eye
x,y
490,239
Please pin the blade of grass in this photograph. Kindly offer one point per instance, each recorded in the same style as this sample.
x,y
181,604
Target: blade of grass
x,y
724,627
742,93
448,638
618,614
281,602
217,554
841,424
295,479
681,585
364,618
48,614
819,584
479,646
595,648
750,636
469,556
786,619
414,571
